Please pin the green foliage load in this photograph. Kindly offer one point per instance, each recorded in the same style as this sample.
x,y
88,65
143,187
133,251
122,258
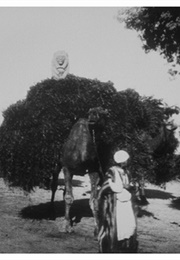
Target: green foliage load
x,y
34,130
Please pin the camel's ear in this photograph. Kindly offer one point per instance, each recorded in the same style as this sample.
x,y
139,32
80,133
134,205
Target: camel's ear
x,y
106,111
89,111
102,110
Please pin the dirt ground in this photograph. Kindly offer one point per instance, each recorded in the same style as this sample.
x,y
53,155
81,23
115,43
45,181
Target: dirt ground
x,y
25,226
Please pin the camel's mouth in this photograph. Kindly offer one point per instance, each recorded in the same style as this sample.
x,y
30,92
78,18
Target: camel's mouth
x,y
91,121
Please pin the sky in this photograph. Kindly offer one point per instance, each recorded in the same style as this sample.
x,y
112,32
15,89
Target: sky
x,y
97,44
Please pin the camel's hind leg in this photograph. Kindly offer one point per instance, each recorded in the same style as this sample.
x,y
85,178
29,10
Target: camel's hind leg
x,y
94,178
54,184
68,197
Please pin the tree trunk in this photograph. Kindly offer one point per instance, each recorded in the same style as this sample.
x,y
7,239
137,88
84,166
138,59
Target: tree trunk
x,y
141,190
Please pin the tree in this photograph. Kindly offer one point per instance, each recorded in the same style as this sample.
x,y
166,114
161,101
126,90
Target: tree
x,y
34,130
176,166
158,28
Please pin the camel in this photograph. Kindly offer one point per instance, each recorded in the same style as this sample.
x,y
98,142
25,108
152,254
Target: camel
x,y
79,158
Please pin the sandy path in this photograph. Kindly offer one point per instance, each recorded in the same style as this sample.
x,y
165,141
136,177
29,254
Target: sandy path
x,y
25,227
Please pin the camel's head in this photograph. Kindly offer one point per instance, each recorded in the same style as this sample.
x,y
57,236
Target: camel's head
x,y
96,114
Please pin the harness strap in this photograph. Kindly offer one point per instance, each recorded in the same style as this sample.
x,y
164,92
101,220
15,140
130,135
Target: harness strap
x,y
100,166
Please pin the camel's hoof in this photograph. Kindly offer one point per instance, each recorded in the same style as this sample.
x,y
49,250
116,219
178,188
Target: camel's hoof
x,y
52,218
95,232
68,199
67,226
69,229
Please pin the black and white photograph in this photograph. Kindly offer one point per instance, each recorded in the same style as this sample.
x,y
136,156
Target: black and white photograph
x,y
89,128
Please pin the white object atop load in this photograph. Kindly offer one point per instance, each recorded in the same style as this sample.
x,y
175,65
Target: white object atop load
x,y
60,65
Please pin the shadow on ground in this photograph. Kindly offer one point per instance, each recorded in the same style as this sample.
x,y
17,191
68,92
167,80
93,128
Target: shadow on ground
x,y
144,213
158,194
155,194
75,183
79,209
47,184
175,203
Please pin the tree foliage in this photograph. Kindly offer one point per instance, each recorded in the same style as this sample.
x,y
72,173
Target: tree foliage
x,y
158,28
34,130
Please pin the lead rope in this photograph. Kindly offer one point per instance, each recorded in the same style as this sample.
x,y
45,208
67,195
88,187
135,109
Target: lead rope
x,y
100,166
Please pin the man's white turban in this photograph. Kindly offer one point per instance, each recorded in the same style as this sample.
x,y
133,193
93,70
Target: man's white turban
x,y
121,156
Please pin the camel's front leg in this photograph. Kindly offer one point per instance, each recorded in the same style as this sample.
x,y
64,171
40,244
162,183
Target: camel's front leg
x,y
94,178
68,197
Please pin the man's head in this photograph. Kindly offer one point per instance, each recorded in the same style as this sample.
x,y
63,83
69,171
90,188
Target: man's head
x,y
94,114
